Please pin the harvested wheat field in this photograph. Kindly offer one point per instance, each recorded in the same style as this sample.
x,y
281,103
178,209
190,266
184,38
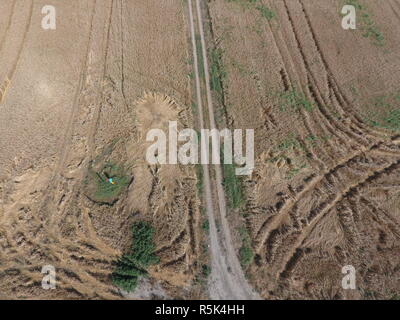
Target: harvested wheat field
x,y
79,197
324,103
78,106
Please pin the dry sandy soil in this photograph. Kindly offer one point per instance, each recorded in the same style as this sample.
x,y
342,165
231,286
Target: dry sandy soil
x,y
325,191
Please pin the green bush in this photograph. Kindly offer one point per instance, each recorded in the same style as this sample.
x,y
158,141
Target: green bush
x,y
135,263
206,270
206,225
246,255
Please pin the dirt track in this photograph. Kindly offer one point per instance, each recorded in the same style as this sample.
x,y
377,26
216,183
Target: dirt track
x,y
227,279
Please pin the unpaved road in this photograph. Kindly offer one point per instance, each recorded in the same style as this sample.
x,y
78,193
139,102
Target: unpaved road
x,y
227,280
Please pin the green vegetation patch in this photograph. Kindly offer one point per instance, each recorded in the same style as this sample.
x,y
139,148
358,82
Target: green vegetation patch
x,y
391,121
384,112
200,179
205,270
134,264
295,171
218,73
201,277
106,184
206,226
295,152
294,100
265,11
200,58
290,143
246,253
233,186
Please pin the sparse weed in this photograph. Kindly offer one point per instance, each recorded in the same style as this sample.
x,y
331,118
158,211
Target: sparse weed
x,y
366,23
201,277
392,120
206,226
246,253
200,183
265,11
294,171
293,152
290,143
233,186
295,100
384,112
218,73
200,58
206,270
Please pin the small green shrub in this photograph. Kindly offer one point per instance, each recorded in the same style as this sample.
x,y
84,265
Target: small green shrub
x,y
205,270
206,225
134,264
200,182
246,255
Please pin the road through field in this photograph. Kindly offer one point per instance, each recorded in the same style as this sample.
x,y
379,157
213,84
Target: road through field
x,y
227,280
